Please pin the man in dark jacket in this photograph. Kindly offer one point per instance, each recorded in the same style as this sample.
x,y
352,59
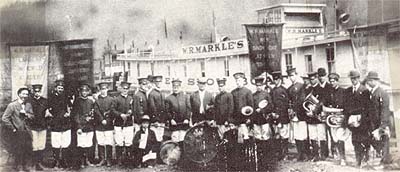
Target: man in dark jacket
x,y
356,117
324,90
296,93
379,114
83,114
60,124
144,144
156,107
201,101
280,100
38,124
140,101
104,124
223,107
177,106
339,134
14,120
123,124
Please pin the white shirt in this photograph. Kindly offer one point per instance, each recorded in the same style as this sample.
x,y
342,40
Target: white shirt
x,y
355,87
201,94
143,139
323,84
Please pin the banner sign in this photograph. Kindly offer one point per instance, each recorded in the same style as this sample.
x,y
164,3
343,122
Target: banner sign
x,y
265,47
29,65
370,51
226,48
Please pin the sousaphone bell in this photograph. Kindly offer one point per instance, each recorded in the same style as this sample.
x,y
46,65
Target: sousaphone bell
x,y
247,110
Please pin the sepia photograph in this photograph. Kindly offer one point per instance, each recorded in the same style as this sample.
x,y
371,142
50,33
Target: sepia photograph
x,y
200,85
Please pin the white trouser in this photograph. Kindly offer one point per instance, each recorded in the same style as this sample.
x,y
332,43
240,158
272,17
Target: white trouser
x,y
243,133
124,135
60,139
105,137
300,130
262,132
340,134
85,139
178,135
159,131
317,132
282,131
38,140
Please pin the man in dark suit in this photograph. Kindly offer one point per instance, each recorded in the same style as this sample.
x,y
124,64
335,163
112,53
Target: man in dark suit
x,y
280,100
144,144
356,117
379,114
19,133
324,90
38,124
296,93
201,101
156,107
338,134
223,107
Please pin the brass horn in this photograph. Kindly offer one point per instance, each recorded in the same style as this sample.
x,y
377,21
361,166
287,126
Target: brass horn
x,y
334,116
247,110
311,103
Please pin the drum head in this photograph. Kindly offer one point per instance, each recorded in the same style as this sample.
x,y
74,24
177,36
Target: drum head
x,y
170,152
200,144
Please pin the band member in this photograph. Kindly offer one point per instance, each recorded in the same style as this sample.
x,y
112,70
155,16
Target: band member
x,y
223,107
379,114
38,124
177,106
140,100
144,144
316,128
336,101
242,97
201,101
280,100
262,122
324,97
233,154
104,124
60,124
356,117
123,124
83,113
18,133
296,93
157,108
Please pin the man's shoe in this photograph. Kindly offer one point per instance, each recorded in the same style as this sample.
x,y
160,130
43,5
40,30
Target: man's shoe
x,y
38,167
343,162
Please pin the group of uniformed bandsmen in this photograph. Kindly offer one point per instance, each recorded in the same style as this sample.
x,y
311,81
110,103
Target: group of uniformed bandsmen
x,y
136,124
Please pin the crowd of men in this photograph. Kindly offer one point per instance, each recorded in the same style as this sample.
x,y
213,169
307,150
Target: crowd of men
x,y
136,124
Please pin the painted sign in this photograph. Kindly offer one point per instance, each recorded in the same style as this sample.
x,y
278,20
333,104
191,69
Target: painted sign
x,y
265,47
226,48
29,65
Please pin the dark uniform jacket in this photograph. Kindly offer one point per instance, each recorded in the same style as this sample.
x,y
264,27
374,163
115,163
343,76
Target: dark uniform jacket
x,y
357,103
280,99
223,107
261,117
140,105
178,108
59,104
336,97
297,94
378,110
241,97
156,106
151,140
122,104
195,106
104,111
39,105
83,114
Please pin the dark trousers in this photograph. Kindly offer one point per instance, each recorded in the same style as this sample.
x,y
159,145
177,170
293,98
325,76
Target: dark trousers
x,y
361,149
22,145
382,148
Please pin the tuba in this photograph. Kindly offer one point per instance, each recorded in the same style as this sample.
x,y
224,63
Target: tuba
x,y
333,116
312,105
247,110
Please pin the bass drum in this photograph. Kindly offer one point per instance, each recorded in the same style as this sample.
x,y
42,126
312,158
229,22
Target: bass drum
x,y
170,152
201,143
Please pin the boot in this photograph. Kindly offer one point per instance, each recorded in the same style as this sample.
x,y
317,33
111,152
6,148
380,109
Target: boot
x,y
24,166
89,156
101,150
324,150
109,155
314,151
37,160
285,143
341,150
56,155
334,149
118,152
